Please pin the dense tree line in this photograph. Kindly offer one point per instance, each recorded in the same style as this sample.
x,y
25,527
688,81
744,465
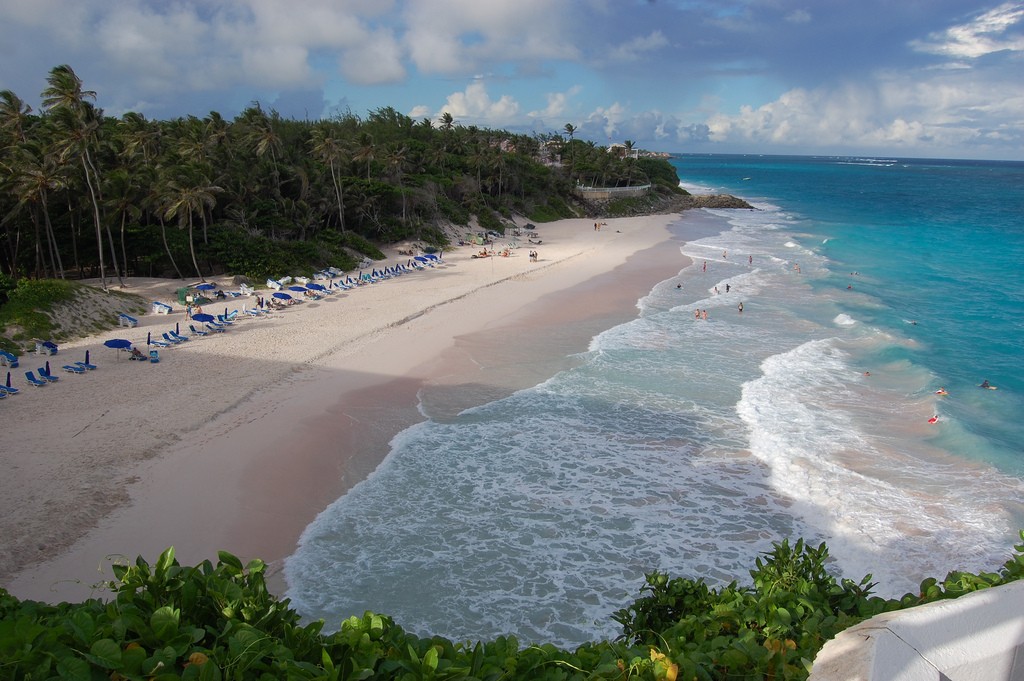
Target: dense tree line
x,y
83,194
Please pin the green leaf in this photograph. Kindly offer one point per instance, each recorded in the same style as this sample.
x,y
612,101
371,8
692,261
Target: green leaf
x,y
165,622
229,560
73,669
106,653
165,561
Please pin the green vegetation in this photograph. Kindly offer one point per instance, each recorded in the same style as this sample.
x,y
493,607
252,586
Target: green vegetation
x,y
213,622
87,195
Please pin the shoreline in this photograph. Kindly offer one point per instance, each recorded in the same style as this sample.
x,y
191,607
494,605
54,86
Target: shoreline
x,y
265,459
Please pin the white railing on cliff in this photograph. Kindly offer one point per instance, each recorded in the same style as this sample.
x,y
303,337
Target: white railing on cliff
x,y
611,192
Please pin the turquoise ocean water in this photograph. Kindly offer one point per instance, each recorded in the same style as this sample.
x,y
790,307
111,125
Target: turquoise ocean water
x,y
689,446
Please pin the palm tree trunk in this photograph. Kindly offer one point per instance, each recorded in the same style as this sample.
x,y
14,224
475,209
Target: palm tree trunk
x,y
163,233
96,221
124,253
192,248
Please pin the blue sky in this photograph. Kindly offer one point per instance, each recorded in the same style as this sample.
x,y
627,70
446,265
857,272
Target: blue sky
x,y
924,78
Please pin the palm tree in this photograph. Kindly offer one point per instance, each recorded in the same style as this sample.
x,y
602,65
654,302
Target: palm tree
x,y
570,130
185,199
366,151
329,149
78,124
397,162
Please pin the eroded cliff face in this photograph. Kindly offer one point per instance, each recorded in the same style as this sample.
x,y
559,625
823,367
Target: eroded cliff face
x,y
658,203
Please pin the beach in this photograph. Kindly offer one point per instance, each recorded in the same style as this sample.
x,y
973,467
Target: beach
x,y
236,441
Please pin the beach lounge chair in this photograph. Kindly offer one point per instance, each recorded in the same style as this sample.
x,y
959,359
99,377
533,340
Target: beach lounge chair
x,y
246,290
46,375
177,336
274,284
222,319
154,356
46,348
9,390
73,369
216,329
127,320
198,332
161,308
87,366
7,359
159,343
32,380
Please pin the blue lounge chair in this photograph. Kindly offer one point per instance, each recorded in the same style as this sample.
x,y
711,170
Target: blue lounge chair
x,y
215,329
87,366
159,343
169,340
73,369
46,348
127,320
177,336
221,319
198,332
7,359
32,380
43,373
154,356
161,308
9,390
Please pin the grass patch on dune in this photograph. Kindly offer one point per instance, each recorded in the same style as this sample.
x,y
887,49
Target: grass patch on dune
x,y
58,310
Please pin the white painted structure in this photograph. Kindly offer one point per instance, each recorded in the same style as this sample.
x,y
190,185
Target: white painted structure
x,y
977,637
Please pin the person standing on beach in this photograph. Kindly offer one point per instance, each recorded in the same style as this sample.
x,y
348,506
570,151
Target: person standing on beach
x,y
705,265
741,307
750,260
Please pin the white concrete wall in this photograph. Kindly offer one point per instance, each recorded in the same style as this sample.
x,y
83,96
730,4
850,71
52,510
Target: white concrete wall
x,y
977,637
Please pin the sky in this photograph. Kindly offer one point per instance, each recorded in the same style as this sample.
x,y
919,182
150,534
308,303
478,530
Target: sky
x,y
910,78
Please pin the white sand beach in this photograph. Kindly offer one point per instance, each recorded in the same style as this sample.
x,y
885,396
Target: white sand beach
x,y
236,441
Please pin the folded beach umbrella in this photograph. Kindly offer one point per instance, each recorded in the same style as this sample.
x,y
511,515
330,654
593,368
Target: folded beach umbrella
x,y
203,317
282,296
149,337
87,357
177,328
8,379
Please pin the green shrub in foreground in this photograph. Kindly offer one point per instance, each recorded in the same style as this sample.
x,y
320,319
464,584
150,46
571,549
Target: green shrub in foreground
x,y
213,622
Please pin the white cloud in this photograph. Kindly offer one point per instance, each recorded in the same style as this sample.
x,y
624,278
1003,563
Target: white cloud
x,y
463,36
989,32
473,105
800,16
558,104
633,49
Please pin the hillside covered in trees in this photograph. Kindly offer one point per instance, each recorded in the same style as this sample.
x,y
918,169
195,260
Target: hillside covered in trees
x,y
83,194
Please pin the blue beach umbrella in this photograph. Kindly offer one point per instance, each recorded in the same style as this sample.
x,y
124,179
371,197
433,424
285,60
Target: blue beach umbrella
x,y
203,317
205,287
316,287
118,344
282,296
299,289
